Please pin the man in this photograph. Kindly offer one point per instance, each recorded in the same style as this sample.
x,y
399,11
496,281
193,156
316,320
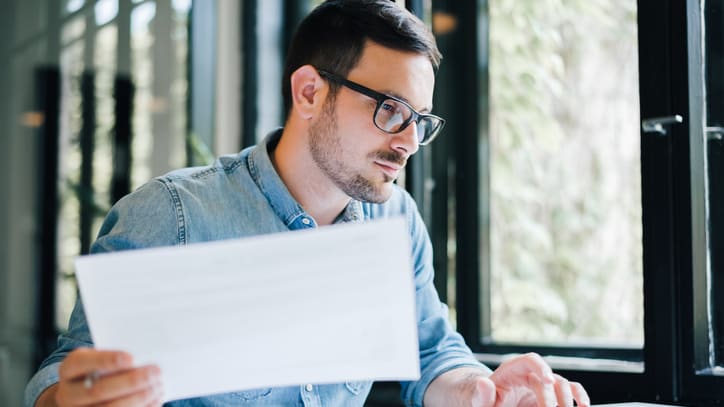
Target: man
x,y
358,85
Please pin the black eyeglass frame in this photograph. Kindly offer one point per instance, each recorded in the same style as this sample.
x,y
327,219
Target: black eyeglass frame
x,y
380,98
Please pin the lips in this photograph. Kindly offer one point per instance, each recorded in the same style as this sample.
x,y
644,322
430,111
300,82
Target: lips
x,y
390,169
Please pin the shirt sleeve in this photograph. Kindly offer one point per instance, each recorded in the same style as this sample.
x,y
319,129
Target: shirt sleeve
x,y
441,347
47,375
134,222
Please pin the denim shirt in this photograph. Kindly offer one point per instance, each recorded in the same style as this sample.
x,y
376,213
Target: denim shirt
x,y
242,195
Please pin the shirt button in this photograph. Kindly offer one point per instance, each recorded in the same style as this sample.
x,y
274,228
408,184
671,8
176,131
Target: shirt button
x,y
306,221
308,387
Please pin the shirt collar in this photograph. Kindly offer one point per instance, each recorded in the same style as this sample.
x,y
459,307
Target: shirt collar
x,y
271,185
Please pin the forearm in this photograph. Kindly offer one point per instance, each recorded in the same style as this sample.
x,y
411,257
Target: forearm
x,y
460,386
47,398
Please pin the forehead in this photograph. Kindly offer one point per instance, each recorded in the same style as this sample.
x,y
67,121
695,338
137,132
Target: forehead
x,y
407,75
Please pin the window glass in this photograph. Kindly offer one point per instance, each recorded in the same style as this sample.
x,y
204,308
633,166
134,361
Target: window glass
x,y
69,162
565,184
71,6
159,50
73,29
105,11
90,77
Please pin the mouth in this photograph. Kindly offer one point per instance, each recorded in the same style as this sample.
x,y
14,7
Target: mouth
x,y
391,170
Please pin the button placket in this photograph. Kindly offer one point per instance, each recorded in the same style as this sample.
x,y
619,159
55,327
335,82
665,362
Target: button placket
x,y
310,398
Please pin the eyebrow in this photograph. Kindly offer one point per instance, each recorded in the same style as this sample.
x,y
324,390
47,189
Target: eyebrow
x,y
386,92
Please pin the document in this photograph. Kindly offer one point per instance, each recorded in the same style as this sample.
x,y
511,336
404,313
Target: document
x,y
327,305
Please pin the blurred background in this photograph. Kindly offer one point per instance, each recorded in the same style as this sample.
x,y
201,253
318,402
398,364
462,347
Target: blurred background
x,y
560,224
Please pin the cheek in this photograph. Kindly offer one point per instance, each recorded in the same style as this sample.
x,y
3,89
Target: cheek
x,y
356,129
354,112
355,139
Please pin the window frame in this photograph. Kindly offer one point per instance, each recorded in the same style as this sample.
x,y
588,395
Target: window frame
x,y
698,384
672,225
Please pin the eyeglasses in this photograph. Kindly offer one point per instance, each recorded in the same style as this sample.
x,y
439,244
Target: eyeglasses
x,y
393,115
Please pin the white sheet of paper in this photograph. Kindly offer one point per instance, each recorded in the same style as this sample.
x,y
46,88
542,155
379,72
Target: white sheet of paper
x,y
327,305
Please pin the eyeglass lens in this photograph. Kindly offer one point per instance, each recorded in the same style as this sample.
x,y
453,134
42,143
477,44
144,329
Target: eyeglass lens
x,y
391,115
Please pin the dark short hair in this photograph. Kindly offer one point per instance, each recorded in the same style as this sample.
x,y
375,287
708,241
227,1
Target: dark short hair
x,y
333,35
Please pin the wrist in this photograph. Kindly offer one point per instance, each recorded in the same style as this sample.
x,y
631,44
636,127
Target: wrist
x,y
461,386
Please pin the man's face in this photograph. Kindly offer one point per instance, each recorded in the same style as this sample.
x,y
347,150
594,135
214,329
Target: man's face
x,y
360,159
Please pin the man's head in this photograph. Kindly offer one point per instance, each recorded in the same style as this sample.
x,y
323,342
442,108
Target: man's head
x,y
333,35
359,82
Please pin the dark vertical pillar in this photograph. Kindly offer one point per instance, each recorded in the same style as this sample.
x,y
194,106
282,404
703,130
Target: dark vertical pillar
x,y
87,146
123,91
47,96
715,156
465,76
426,179
662,168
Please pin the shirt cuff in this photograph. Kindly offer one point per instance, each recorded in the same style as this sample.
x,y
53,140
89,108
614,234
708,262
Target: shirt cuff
x,y
43,379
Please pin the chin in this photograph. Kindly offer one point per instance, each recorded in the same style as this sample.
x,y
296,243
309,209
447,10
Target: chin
x,y
366,190
382,194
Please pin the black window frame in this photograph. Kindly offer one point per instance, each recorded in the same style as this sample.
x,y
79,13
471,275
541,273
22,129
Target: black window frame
x,y
670,83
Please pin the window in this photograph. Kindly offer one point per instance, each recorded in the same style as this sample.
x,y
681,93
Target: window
x,y
564,197
553,180
105,79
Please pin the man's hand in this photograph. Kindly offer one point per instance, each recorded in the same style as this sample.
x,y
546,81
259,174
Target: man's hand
x,y
108,378
523,381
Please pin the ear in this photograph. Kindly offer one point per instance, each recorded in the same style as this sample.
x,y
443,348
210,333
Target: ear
x,y
306,86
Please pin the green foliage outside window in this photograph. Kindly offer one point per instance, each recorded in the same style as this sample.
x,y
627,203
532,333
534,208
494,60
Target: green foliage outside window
x,y
565,172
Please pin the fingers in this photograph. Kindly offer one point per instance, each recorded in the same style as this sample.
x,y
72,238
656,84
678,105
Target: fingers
x,y
116,383
84,361
544,390
530,374
580,395
567,392
563,392
525,370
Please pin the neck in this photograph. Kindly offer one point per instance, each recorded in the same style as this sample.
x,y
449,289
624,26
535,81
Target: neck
x,y
309,186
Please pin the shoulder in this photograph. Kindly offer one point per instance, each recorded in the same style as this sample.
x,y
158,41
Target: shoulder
x,y
164,210
224,169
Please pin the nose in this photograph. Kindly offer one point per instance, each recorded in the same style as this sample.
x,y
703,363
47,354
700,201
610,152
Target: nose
x,y
406,141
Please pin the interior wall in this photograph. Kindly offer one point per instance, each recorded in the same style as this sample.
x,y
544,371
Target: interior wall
x,y
18,146
5,29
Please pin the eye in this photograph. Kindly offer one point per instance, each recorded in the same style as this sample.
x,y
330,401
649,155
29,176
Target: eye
x,y
389,106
